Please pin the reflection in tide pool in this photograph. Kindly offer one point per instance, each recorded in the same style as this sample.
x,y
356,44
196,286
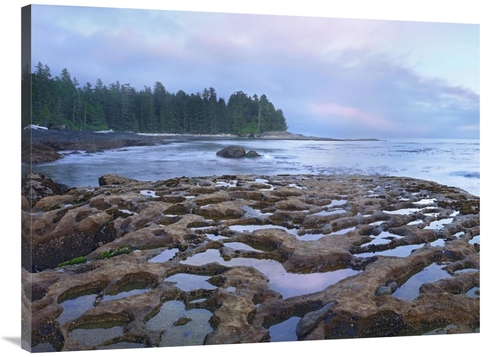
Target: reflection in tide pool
x,y
473,293
328,213
284,331
439,224
418,221
292,231
404,211
122,345
240,246
475,239
335,203
287,284
310,236
191,332
95,336
383,238
75,307
188,282
214,236
344,231
438,243
401,251
164,256
125,294
410,289
251,228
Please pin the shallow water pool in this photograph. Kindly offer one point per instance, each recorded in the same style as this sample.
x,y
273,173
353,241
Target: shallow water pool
x,y
287,284
410,289
191,332
284,331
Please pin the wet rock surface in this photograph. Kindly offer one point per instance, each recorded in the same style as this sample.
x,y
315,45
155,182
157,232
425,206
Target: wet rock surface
x,y
231,256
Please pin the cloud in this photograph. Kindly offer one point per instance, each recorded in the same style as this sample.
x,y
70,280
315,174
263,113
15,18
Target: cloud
x,y
471,128
336,73
342,113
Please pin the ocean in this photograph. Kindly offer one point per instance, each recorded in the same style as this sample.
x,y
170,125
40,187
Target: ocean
x,y
451,162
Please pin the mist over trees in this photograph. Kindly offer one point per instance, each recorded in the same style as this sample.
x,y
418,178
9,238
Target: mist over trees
x,y
62,100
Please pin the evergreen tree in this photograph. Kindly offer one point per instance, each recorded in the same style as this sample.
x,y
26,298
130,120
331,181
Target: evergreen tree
x,y
61,100
147,110
211,110
181,124
113,106
160,106
125,117
76,103
26,94
45,116
42,91
65,99
224,124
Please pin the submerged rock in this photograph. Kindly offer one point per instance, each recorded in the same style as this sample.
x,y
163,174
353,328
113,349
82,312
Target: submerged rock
x,y
252,154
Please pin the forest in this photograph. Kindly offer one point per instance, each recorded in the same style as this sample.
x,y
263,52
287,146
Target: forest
x,y
61,101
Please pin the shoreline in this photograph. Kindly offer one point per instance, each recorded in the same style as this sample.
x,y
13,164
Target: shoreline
x,y
263,136
44,146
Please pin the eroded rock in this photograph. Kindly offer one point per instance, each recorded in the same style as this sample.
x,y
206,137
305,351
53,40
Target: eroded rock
x,y
35,186
247,239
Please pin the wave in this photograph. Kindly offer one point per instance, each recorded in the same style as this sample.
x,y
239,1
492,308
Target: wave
x,y
467,174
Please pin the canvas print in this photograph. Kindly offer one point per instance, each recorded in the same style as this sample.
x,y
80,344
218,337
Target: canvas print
x,y
194,178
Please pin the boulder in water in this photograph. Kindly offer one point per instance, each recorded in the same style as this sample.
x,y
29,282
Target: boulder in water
x,y
236,152
252,154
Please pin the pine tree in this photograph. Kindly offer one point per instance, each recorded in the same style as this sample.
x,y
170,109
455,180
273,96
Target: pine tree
x,y
61,100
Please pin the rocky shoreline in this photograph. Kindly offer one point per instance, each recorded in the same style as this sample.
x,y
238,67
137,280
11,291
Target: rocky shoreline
x,y
100,264
43,146
285,135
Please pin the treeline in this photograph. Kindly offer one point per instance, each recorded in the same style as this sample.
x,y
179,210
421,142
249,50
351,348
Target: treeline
x,y
62,101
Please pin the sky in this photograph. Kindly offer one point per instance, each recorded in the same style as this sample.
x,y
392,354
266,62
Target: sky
x,y
333,77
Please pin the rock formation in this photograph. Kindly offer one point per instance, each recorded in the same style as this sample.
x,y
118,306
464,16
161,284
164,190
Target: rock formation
x,y
236,152
213,260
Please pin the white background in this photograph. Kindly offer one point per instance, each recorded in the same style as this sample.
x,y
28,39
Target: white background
x,y
481,12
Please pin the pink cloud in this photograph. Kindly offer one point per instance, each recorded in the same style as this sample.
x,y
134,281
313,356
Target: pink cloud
x,y
473,128
338,112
